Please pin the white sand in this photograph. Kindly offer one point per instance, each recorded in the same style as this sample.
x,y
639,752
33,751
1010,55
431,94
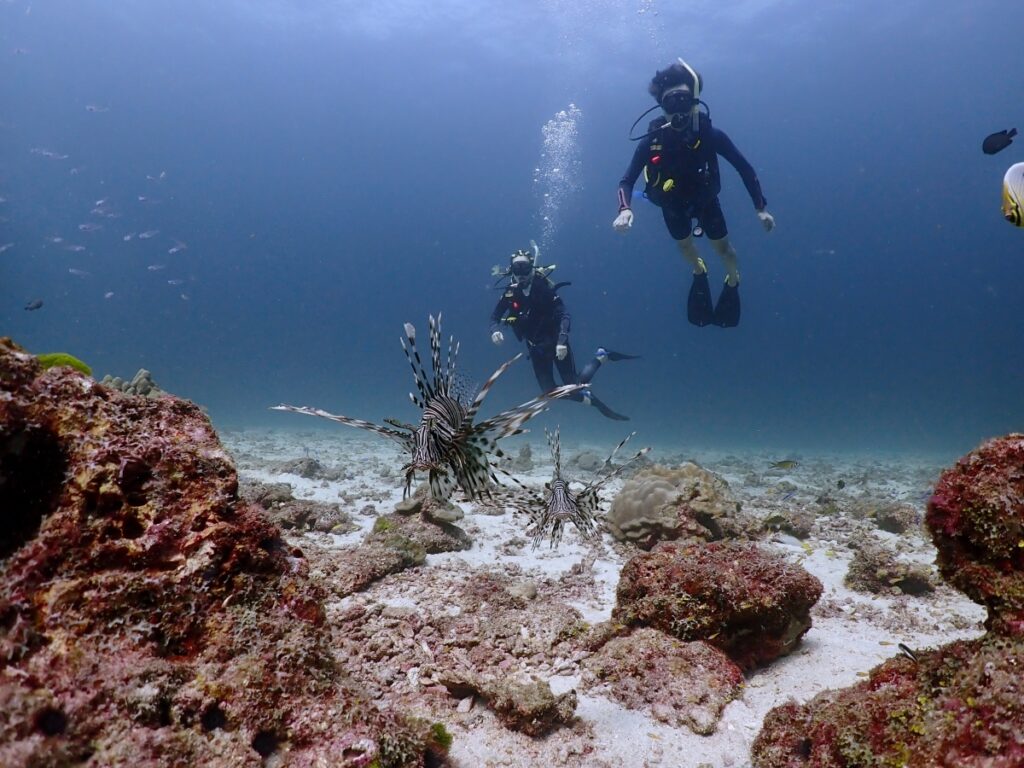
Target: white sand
x,y
852,632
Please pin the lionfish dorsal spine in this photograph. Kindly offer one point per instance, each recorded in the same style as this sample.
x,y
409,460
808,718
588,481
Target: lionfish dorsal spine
x,y
554,442
412,354
440,379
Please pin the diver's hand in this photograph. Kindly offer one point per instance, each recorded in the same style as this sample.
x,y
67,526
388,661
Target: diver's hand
x,y
623,221
767,220
497,337
561,350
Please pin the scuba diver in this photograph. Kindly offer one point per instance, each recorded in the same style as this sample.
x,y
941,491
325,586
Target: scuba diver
x,y
678,157
531,306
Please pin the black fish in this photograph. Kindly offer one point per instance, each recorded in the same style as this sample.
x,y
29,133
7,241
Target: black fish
x,y
997,142
34,304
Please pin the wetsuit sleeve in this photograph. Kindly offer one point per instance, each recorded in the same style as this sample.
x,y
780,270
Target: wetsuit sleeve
x,y
561,314
499,312
725,148
636,165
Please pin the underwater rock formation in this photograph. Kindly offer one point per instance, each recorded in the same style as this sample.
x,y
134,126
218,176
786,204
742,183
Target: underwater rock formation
x,y
976,519
687,502
960,705
746,601
149,617
678,683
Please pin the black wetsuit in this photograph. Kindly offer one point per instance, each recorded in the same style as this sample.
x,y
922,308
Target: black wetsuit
x,y
542,321
687,165
692,165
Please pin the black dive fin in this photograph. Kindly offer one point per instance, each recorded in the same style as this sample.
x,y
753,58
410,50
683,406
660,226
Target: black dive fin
x,y
727,313
606,411
698,303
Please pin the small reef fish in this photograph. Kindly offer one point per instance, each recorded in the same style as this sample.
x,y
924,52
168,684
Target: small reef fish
x,y
90,227
548,516
907,652
78,272
108,295
149,233
1013,195
101,202
184,296
33,305
784,464
96,108
997,142
841,484
55,239
74,248
156,267
6,247
144,199
48,153
161,177
128,237
178,247
446,444
176,281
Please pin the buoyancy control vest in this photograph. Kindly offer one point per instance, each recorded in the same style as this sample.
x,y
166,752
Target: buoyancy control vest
x,y
681,169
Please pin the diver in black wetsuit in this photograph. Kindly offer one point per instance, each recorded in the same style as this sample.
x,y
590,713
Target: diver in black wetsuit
x,y
678,157
531,306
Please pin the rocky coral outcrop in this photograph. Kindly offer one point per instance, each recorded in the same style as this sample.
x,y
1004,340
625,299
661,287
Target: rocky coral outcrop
x,y
962,704
678,683
289,513
687,502
746,601
876,569
976,520
140,384
147,615
433,537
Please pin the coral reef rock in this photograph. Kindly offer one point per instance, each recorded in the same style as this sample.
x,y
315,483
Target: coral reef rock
x,y
432,536
687,502
297,514
679,683
746,601
147,615
876,569
959,705
529,708
976,520
140,384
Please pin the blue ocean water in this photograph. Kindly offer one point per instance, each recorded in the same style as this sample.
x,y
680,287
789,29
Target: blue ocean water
x,y
315,174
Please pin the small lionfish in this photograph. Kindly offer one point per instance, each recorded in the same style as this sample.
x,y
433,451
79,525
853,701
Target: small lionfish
x,y
549,513
446,444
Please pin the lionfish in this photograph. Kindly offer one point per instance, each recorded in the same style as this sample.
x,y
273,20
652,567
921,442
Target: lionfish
x,y
560,505
446,444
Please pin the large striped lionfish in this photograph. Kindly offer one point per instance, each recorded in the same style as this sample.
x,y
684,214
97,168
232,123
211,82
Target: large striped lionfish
x,y
560,505
446,444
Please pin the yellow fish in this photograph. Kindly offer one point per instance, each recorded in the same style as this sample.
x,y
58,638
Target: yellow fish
x,y
785,464
1013,195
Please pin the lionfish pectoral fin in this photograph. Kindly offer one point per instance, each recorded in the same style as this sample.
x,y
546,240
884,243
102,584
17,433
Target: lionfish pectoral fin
x,y
393,434
442,485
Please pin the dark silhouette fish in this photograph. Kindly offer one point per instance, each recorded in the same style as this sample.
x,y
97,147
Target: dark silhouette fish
x,y
997,142
34,305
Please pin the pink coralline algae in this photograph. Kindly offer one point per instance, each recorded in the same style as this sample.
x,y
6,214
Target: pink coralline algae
x,y
148,617
746,601
976,519
962,705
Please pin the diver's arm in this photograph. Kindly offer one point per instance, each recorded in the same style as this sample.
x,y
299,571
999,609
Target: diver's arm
x,y
725,148
636,166
499,313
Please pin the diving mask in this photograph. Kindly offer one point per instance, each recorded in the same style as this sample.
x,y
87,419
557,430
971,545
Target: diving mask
x,y
678,100
521,266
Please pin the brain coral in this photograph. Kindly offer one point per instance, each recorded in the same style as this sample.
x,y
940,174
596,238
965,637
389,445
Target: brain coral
x,y
662,503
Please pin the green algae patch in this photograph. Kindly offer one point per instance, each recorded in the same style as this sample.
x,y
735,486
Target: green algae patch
x,y
55,359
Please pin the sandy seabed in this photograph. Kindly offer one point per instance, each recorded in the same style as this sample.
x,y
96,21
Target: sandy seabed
x,y
851,633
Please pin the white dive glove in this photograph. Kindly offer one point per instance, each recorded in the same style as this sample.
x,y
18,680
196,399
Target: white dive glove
x,y
767,220
623,221
561,350
497,337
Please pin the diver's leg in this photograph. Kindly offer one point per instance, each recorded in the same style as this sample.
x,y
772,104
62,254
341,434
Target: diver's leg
x,y
541,357
567,368
698,303
727,253
727,310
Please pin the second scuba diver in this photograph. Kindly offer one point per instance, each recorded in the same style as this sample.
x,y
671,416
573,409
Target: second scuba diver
x,y
678,157
531,307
